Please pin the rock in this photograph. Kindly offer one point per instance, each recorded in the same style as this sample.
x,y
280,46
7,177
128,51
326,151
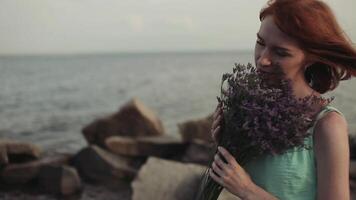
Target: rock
x,y
161,146
352,144
115,191
199,152
119,190
25,172
166,180
353,189
63,180
134,119
169,180
353,169
12,151
96,164
226,195
196,129
3,155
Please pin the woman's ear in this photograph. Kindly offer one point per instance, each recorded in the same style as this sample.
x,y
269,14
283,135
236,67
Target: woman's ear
x,y
307,65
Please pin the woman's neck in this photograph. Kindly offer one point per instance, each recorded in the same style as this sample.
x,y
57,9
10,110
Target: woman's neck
x,y
302,89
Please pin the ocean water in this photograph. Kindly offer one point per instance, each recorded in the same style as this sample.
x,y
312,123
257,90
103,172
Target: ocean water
x,y
47,100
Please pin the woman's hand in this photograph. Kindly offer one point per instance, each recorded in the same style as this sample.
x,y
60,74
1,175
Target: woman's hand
x,y
217,122
231,175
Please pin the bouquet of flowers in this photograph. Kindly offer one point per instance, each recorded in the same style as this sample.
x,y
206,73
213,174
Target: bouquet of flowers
x,y
262,116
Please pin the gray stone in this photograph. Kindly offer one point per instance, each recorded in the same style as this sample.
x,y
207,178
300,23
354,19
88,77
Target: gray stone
x,y
196,129
63,180
352,146
12,151
25,172
96,164
226,195
353,169
353,189
161,146
199,152
134,119
3,155
167,180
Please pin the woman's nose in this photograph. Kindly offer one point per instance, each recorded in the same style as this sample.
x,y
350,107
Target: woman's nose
x,y
265,59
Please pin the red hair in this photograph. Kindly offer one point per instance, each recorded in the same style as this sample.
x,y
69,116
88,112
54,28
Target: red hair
x,y
313,25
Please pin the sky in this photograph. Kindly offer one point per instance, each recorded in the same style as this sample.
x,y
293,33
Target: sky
x,y
109,26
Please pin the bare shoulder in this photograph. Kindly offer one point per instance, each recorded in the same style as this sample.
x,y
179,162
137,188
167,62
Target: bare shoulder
x,y
331,126
331,133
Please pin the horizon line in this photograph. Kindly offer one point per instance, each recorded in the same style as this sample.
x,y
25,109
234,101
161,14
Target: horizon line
x,y
126,52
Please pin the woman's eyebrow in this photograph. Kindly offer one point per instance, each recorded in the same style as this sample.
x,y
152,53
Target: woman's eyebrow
x,y
275,46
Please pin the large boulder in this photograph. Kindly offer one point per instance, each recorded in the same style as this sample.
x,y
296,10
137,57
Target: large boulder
x,y
352,144
134,119
166,180
353,189
12,151
62,180
199,152
21,173
196,129
170,180
3,155
119,190
162,146
98,165
353,169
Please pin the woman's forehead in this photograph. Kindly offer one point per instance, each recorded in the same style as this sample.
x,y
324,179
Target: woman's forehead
x,y
271,34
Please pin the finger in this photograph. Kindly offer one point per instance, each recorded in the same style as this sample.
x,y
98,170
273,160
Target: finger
x,y
220,110
216,112
216,122
218,107
227,156
215,177
219,162
221,114
217,169
216,132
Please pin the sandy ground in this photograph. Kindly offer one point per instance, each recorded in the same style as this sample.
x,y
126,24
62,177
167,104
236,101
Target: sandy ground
x,y
113,191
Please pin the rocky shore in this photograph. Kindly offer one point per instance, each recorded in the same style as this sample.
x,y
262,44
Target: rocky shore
x,y
129,156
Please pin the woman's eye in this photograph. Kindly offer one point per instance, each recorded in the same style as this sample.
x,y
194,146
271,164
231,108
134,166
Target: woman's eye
x,y
259,42
282,54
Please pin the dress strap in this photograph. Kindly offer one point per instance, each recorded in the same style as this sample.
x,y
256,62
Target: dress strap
x,y
325,110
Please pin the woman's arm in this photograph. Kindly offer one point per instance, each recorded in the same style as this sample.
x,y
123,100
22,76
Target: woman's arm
x,y
235,179
331,148
258,193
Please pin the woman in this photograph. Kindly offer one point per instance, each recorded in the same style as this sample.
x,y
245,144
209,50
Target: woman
x,y
304,39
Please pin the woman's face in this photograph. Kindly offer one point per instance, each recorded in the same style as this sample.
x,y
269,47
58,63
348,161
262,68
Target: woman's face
x,y
273,47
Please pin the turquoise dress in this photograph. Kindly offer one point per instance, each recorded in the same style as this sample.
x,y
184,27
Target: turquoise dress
x,y
292,175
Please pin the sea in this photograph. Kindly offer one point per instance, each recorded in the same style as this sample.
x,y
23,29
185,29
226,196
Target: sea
x,y
48,99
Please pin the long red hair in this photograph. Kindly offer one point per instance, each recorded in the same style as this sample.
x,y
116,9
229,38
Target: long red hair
x,y
314,26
